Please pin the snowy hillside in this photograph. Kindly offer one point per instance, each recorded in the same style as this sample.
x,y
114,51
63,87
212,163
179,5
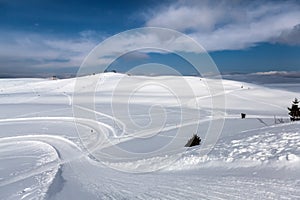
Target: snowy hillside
x,y
105,155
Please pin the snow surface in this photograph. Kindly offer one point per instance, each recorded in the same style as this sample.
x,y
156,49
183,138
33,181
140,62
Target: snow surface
x,y
44,155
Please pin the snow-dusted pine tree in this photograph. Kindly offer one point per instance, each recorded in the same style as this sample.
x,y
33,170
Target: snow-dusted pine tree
x,y
294,111
195,140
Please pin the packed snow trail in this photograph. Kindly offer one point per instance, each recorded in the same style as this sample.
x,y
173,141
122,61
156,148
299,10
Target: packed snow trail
x,y
65,149
103,183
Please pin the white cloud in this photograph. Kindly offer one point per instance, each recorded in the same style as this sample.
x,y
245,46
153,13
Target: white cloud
x,y
45,51
185,18
140,41
136,55
25,50
291,74
221,25
291,37
229,24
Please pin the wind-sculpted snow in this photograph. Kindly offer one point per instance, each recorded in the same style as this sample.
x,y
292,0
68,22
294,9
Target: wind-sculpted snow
x,y
271,147
42,156
278,144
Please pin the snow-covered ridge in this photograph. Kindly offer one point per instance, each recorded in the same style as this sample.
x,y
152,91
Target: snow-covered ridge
x,y
43,157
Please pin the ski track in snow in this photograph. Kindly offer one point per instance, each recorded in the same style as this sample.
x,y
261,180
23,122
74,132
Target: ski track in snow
x,y
115,185
75,175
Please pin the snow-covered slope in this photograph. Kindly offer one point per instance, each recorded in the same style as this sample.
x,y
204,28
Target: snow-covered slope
x,y
45,155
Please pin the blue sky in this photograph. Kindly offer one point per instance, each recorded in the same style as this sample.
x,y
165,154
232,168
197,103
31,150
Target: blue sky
x,y
51,37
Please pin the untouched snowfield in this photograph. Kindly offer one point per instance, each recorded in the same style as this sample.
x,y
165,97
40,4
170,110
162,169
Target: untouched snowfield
x,y
44,155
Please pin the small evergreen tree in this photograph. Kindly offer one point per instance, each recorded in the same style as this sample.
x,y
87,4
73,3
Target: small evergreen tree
x,y
195,140
294,111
